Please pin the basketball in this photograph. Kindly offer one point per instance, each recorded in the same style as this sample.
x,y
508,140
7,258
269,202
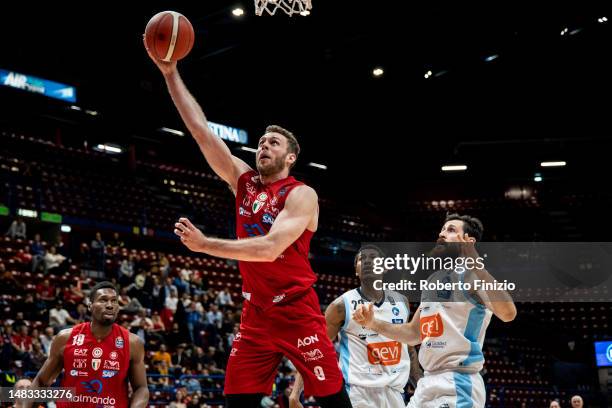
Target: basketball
x,y
169,36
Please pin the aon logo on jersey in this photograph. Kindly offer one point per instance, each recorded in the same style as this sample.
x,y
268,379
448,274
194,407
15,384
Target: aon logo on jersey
x,y
385,353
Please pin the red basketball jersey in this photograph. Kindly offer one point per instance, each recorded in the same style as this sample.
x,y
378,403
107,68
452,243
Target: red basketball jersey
x,y
97,369
257,206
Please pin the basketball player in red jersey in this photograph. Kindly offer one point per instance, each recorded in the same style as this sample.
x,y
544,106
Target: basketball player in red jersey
x,y
97,358
276,218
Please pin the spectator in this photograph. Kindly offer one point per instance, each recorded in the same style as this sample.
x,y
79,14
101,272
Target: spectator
x,y
59,317
141,325
17,229
38,253
19,321
554,404
194,319
42,309
73,294
47,292
164,265
9,283
178,359
28,307
186,299
162,355
24,256
97,251
224,298
126,271
37,356
176,337
54,262
127,304
577,401
22,342
214,316
24,384
170,307
82,314
7,346
46,338
158,324
168,288
116,241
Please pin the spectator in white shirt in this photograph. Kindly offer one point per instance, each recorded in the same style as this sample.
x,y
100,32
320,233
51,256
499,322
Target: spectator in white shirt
x,y
224,298
59,317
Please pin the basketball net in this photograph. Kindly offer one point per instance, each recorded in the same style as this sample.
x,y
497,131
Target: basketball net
x,y
291,7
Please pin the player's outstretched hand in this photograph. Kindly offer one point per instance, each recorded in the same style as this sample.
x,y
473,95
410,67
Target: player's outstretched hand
x,y
364,315
166,68
190,236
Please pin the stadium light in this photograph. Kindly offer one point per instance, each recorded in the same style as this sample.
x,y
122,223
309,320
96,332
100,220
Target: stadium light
x,y
238,12
458,167
108,148
248,149
317,165
172,131
378,72
553,164
66,228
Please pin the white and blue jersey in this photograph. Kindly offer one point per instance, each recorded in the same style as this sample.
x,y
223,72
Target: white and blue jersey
x,y
452,327
367,358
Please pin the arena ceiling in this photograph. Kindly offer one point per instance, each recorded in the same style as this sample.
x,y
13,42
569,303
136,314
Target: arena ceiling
x,y
507,89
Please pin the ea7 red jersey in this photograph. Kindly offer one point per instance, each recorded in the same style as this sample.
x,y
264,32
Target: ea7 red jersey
x,y
257,206
97,369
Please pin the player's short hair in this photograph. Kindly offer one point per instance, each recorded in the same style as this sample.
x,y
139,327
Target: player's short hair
x,y
471,225
365,247
101,285
292,144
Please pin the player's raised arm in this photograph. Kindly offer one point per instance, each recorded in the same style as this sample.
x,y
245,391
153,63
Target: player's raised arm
x,y
217,154
55,362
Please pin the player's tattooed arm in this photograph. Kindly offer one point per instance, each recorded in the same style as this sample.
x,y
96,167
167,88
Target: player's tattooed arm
x,y
334,317
416,372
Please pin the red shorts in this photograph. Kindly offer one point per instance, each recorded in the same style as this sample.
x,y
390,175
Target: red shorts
x,y
296,330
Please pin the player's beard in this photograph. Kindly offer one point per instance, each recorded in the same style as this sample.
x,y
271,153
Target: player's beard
x,y
276,166
446,250
106,321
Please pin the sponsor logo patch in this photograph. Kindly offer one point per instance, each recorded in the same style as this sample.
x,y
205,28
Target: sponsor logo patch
x,y
111,365
108,373
431,326
312,355
113,355
119,342
80,352
385,353
95,363
79,363
97,352
307,341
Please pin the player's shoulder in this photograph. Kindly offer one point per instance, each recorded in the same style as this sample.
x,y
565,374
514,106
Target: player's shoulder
x,y
63,335
135,340
304,191
395,297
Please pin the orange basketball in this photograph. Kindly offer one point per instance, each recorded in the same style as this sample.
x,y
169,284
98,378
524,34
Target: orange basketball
x,y
169,36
